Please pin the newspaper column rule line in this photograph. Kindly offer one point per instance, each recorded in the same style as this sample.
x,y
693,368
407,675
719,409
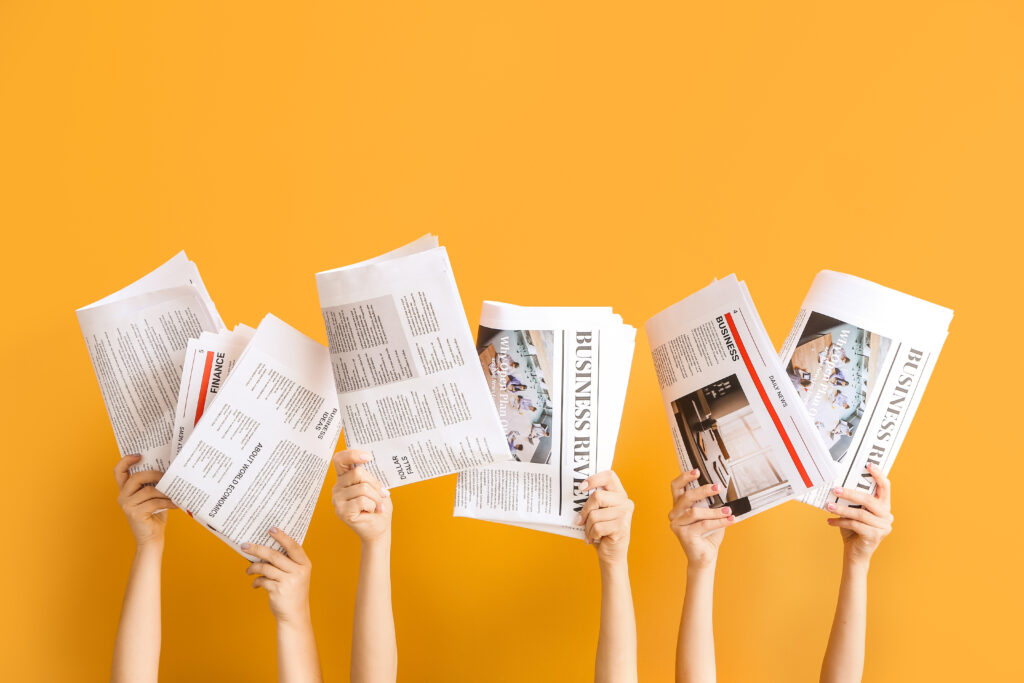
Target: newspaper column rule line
x,y
767,404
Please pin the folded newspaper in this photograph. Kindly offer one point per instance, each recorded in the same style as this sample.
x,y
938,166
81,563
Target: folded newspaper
x,y
860,355
137,340
734,415
259,453
410,389
557,377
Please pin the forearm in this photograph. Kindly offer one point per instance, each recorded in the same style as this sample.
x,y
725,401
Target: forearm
x,y
374,648
137,648
844,657
616,642
695,651
297,658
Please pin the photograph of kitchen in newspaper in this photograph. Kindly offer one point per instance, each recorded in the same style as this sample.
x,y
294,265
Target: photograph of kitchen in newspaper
x,y
726,442
518,365
834,368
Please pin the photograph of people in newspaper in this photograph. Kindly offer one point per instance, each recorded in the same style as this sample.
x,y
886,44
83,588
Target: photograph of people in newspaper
x,y
518,365
725,441
835,367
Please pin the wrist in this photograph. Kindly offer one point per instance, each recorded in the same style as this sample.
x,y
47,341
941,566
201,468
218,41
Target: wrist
x,y
700,569
856,564
153,545
613,567
297,618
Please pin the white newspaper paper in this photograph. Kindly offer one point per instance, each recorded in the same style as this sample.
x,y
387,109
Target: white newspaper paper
x,y
408,382
558,378
259,454
208,360
136,339
860,356
734,415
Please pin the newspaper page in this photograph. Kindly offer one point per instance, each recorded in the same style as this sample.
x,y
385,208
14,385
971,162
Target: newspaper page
x,y
860,356
558,378
208,360
136,339
259,454
733,414
409,386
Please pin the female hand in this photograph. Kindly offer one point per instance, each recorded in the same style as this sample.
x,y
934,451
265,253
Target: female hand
x,y
690,522
360,500
863,528
284,577
141,502
606,517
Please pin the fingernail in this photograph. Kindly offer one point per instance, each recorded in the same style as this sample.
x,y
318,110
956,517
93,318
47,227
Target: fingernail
x,y
274,530
715,487
726,511
837,490
693,472
583,486
365,457
245,546
871,465
831,506
732,518
579,520
385,493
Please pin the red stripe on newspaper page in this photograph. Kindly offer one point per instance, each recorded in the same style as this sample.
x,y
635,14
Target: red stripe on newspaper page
x,y
767,403
206,383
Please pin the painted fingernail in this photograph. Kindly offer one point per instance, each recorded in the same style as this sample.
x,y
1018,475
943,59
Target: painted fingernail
x,y
245,546
726,511
715,487
732,518
831,506
837,490
871,465
693,472
274,530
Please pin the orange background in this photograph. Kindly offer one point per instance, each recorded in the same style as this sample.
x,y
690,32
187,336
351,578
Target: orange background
x,y
567,153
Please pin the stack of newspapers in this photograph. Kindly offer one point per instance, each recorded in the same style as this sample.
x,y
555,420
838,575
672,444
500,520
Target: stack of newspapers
x,y
244,422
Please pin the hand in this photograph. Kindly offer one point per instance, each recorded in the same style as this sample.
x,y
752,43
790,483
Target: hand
x,y
690,523
863,528
141,502
360,500
606,517
285,577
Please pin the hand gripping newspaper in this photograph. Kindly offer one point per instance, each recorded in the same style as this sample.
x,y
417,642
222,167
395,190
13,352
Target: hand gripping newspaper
x,y
859,356
734,415
259,453
137,339
557,377
409,386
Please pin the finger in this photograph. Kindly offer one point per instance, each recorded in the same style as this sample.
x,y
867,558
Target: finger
x,y
858,514
358,475
883,490
859,528
264,582
350,510
601,499
873,504
140,479
290,545
363,490
599,530
680,483
122,466
699,513
607,480
701,493
349,458
151,507
265,569
144,494
601,515
709,525
269,555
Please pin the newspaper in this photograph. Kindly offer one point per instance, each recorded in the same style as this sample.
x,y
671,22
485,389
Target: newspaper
x,y
557,377
734,415
410,389
208,360
136,339
860,356
259,454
